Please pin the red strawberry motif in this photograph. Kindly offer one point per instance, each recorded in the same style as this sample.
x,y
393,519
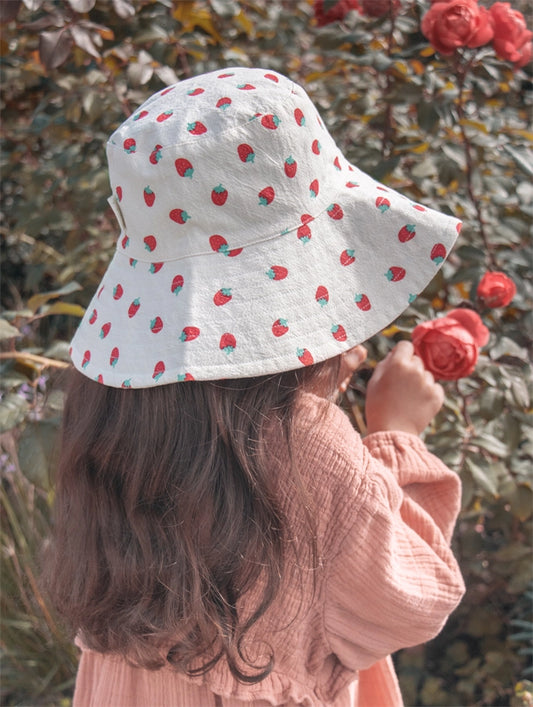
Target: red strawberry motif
x,y
395,274
167,90
125,241
86,359
313,188
280,327
100,291
351,185
99,378
383,204
195,92
134,307
118,291
155,267
183,167
407,232
149,196
277,272
114,357
159,369
185,377
458,227
270,121
305,357
227,343
223,102
337,164
156,154
196,128
322,295
316,147
104,331
140,115
246,87
179,216
299,117
224,76
418,207
130,145
363,302
119,193
339,332
177,284
246,153
272,77
438,253
93,317
266,196
126,383
290,166
156,325
382,189
220,245
150,243
304,232
223,296
164,116
335,212
347,257
189,333
219,195
133,262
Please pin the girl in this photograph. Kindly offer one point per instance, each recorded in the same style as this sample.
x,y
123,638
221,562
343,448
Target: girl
x,y
223,535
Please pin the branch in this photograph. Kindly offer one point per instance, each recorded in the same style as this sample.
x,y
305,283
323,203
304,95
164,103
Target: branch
x,y
42,360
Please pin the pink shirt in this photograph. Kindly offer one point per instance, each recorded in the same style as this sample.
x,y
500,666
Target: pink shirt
x,y
387,580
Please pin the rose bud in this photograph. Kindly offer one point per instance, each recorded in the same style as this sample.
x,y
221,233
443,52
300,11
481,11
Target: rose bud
x,y
496,289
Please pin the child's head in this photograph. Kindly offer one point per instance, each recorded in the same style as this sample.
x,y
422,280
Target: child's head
x,y
249,245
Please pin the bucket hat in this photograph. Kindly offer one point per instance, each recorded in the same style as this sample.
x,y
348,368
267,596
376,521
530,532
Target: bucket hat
x,y
249,245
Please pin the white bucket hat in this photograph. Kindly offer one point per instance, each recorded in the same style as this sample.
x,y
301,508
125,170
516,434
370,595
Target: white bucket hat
x,y
249,245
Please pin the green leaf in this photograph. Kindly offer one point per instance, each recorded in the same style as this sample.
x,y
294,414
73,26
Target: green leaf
x,y
481,477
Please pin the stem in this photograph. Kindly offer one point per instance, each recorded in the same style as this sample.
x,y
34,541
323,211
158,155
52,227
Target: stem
x,y
43,360
388,128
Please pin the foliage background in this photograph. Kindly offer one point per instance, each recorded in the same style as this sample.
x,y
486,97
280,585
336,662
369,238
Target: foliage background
x,y
452,132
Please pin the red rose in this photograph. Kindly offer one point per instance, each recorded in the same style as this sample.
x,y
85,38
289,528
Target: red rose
x,y
457,23
379,8
327,11
496,289
449,346
512,39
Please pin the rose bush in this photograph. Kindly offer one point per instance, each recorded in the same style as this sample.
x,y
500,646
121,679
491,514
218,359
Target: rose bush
x,y
449,346
512,39
495,289
379,8
327,12
457,23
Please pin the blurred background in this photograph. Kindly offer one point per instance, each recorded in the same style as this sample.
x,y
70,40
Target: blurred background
x,y
448,129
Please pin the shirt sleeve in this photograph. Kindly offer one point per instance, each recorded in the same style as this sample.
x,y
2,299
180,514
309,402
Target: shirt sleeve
x,y
393,580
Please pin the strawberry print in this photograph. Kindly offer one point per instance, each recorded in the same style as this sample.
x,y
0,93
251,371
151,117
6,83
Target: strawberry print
x,y
395,274
246,153
220,245
140,115
156,325
100,291
304,232
224,76
224,102
299,117
86,359
150,243
156,155
134,307
183,167
195,92
266,196
177,284
119,193
159,369
167,90
272,77
189,333
322,295
164,116
458,227
113,359
104,331
196,128
335,212
246,87
313,188
99,378
179,216
290,166
382,189
347,257
363,302
185,377
149,196
270,121
155,267
133,262
351,185
219,195
383,204
129,145
277,272
93,317
223,296
126,383
337,164
125,242
339,332
305,357
316,147
118,291
407,232
227,343
438,253
418,207
280,327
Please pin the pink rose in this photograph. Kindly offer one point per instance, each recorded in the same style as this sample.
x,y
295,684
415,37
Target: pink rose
x,y
327,12
512,39
379,8
449,346
496,289
457,23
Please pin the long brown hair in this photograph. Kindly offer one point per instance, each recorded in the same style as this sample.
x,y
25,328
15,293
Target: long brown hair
x,y
166,515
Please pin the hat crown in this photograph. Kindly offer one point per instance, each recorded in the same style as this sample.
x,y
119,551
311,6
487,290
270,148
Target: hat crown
x,y
219,162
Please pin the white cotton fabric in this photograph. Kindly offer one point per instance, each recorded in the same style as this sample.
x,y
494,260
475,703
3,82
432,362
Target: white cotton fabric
x,y
249,245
